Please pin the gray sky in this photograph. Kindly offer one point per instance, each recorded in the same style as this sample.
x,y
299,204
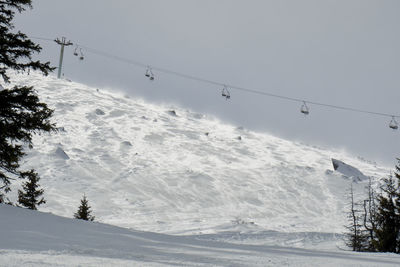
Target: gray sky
x,y
341,52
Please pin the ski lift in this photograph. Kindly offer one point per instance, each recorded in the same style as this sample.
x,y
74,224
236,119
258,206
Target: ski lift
x,y
149,74
76,51
304,109
81,57
393,124
225,93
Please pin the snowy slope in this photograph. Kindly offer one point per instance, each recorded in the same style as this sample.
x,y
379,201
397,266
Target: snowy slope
x,y
168,170
30,238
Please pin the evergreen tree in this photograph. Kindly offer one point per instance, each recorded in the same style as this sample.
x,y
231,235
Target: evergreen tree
x,y
388,214
84,212
30,197
387,229
21,112
397,204
381,218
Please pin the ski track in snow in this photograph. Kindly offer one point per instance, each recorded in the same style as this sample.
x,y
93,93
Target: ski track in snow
x,y
172,171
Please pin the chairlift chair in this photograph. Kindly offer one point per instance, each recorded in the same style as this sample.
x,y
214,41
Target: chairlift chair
x,y
81,57
76,51
393,124
304,109
225,93
149,74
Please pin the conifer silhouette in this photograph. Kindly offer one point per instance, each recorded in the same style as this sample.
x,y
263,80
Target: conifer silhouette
x,y
84,212
21,112
29,198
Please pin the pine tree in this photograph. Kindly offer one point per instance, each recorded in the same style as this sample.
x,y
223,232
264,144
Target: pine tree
x,y
21,112
84,212
381,218
397,204
388,215
30,197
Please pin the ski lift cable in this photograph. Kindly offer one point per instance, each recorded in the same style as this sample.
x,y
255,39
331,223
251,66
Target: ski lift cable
x,y
221,84
41,38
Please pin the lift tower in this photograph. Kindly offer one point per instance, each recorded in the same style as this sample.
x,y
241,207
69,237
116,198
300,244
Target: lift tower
x,y
63,43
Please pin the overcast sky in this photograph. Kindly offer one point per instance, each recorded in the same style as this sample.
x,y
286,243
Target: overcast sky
x,y
340,52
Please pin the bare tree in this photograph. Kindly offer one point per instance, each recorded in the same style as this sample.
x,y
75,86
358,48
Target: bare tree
x,y
370,216
355,237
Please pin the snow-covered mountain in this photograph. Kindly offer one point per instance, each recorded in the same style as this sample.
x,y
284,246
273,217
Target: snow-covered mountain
x,y
169,170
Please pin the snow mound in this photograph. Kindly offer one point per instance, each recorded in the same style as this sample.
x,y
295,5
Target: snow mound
x,y
348,171
60,153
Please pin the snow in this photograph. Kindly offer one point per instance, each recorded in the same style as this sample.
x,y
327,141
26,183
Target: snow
x,y
348,171
31,238
198,194
61,153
